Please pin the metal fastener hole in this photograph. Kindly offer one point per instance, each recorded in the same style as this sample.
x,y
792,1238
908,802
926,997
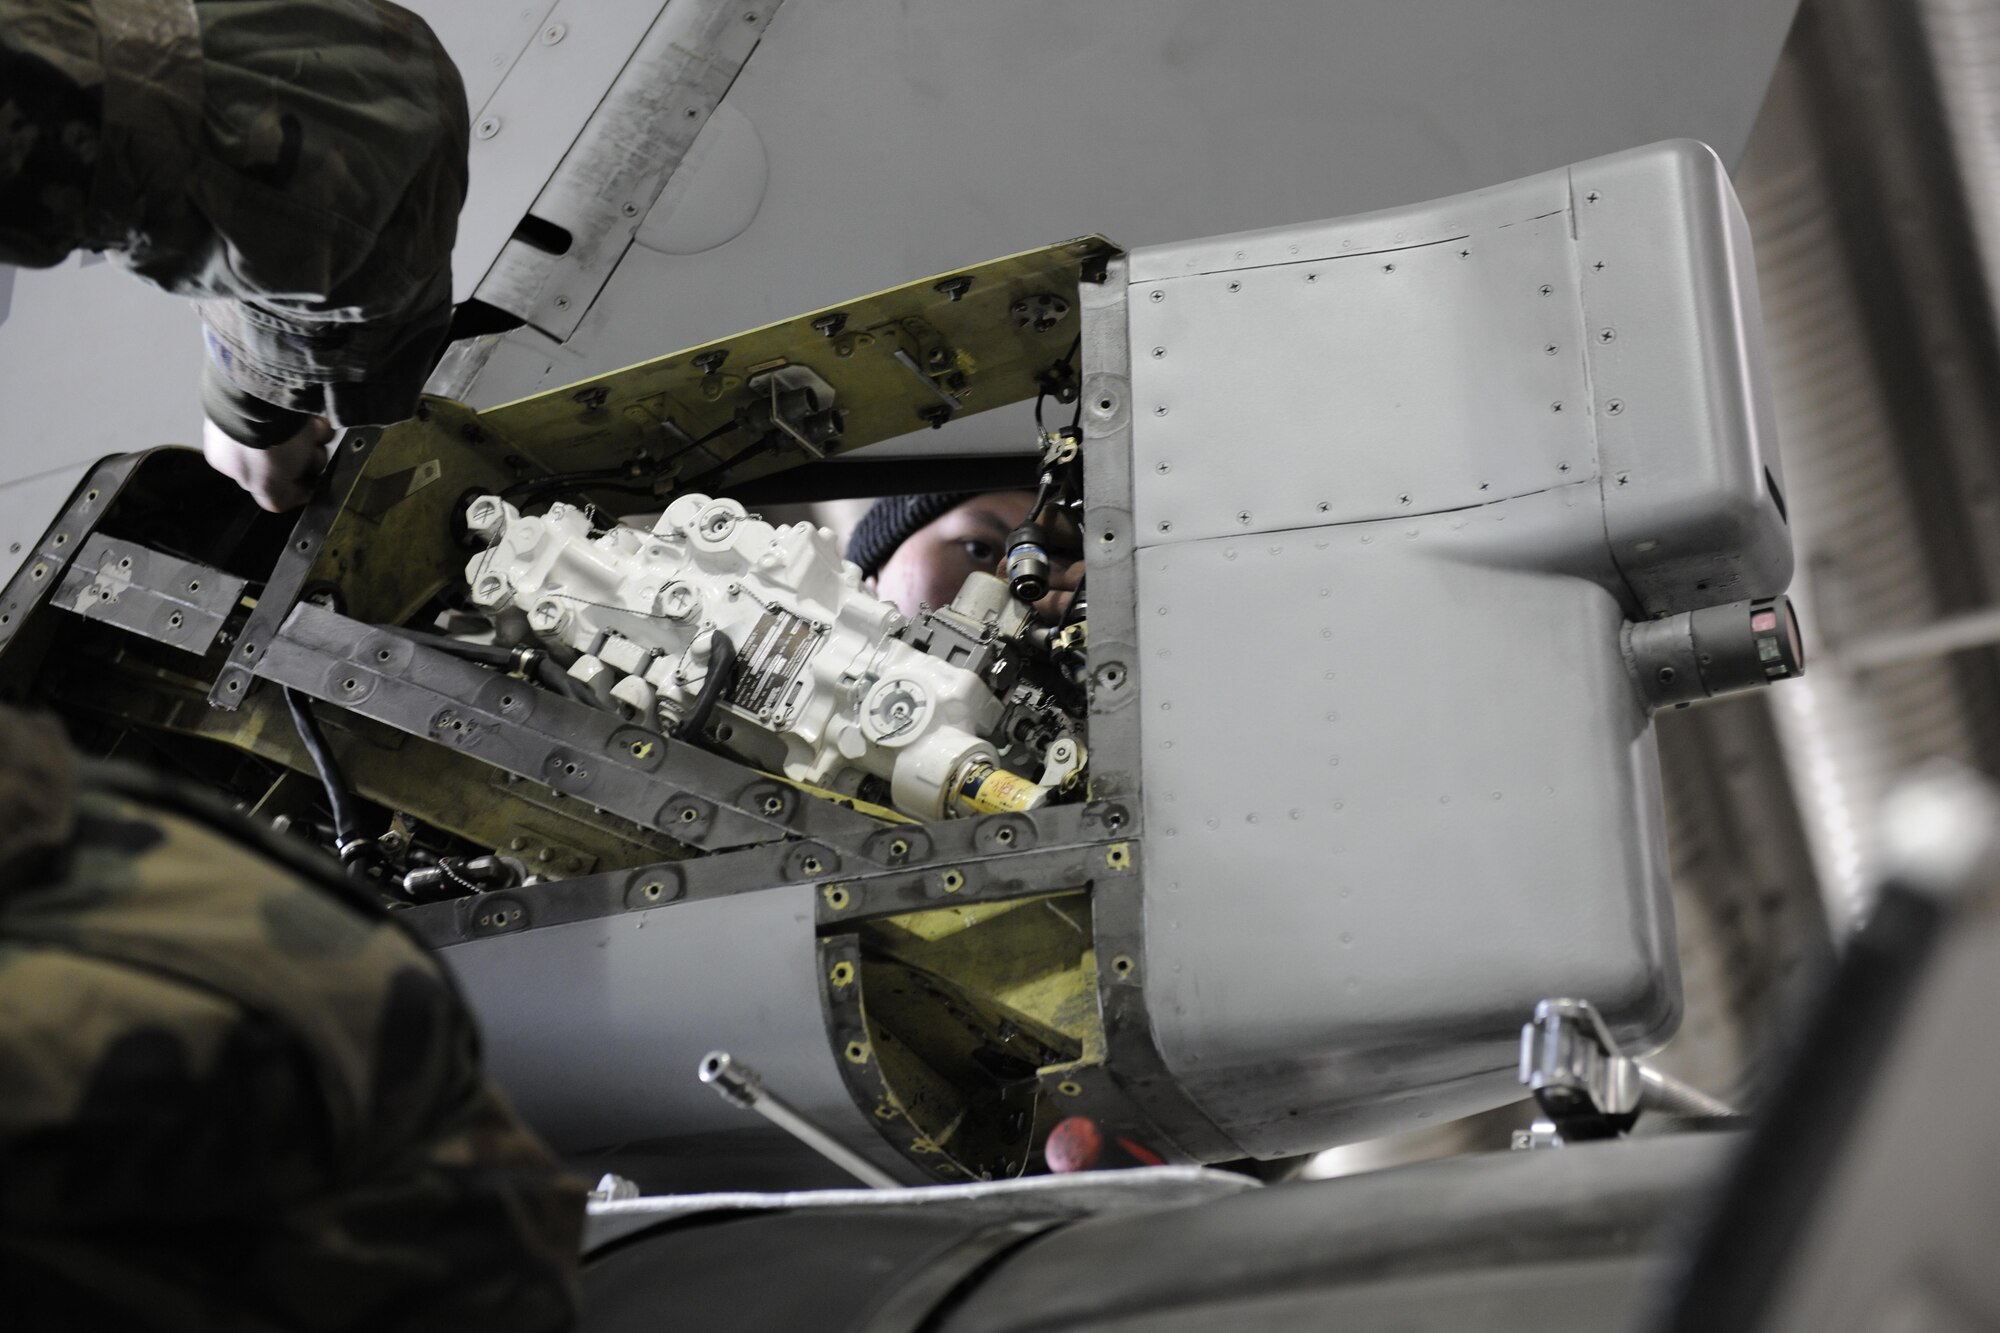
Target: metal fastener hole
x,y
952,880
688,814
1004,836
842,973
1122,965
1069,1089
837,898
812,865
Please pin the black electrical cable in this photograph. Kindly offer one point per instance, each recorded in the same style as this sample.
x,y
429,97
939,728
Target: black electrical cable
x,y
353,847
721,666
757,450
604,479
626,478
1076,606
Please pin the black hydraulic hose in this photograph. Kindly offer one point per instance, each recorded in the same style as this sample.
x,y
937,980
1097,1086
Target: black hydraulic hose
x,y
550,673
353,847
492,654
546,669
721,667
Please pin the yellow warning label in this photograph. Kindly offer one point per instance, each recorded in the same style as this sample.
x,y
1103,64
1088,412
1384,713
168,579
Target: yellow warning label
x,y
991,791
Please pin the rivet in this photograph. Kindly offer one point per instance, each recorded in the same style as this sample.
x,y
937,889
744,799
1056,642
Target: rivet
x,y
1615,406
1159,352
488,127
1159,295
1606,335
562,303
1546,290
554,33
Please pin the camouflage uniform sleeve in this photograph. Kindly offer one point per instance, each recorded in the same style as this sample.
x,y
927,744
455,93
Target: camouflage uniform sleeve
x,y
294,166
229,1099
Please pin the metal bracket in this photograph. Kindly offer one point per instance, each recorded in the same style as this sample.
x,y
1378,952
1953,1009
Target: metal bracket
x,y
1587,1087
172,601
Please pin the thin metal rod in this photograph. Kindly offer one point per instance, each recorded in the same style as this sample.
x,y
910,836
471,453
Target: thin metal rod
x,y
740,1085
1668,1095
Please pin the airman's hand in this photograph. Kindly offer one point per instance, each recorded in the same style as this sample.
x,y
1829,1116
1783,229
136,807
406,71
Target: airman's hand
x,y
278,478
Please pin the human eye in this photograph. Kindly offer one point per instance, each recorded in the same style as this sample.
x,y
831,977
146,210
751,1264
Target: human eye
x,y
979,550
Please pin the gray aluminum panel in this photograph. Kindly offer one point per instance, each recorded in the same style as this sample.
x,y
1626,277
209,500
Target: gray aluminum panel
x,y
1684,413
1347,382
172,601
595,1028
905,140
1431,801
529,119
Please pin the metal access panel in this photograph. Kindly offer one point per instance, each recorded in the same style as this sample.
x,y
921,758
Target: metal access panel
x,y
1397,487
595,1027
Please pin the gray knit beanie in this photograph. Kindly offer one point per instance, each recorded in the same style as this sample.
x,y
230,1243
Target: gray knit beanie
x,y
891,520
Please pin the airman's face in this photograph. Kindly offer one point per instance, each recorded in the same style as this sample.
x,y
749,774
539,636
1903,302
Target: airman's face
x,y
931,565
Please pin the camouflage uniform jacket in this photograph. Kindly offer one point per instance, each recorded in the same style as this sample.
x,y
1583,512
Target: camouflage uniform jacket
x,y
295,166
232,1101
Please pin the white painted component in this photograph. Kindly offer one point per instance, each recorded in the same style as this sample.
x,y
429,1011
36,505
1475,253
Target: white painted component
x,y
821,686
